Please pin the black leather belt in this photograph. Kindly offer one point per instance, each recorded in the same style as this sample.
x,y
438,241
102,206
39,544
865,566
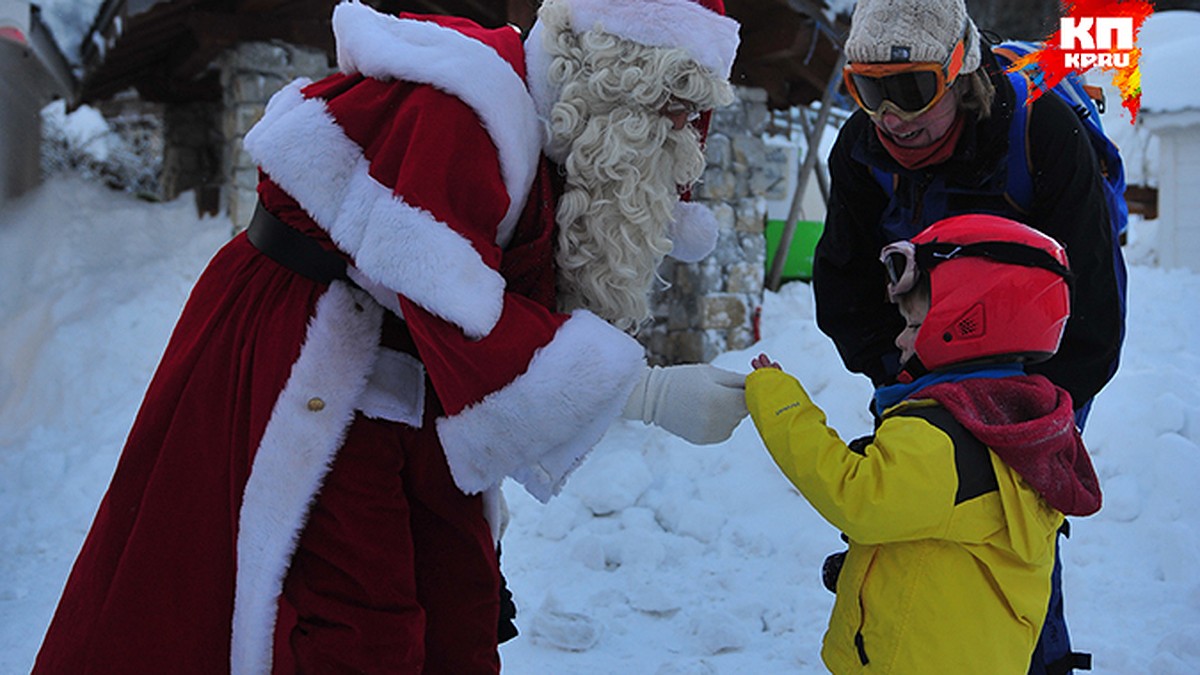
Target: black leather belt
x,y
304,256
292,249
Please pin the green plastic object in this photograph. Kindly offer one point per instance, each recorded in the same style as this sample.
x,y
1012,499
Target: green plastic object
x,y
798,265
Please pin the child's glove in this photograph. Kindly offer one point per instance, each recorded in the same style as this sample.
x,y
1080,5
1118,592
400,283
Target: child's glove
x,y
697,402
832,569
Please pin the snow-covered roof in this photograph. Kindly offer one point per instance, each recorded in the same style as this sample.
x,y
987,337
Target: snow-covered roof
x,y
68,21
1170,43
33,61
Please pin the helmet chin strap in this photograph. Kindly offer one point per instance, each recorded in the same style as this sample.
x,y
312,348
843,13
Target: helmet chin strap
x,y
911,370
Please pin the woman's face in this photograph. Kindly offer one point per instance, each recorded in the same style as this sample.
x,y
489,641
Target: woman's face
x,y
925,129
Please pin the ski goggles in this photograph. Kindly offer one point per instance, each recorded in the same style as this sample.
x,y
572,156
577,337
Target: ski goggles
x,y
903,261
907,89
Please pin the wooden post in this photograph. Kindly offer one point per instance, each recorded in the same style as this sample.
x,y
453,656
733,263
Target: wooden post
x,y
822,179
810,160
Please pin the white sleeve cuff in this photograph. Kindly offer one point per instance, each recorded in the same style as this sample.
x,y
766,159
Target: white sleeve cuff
x,y
541,425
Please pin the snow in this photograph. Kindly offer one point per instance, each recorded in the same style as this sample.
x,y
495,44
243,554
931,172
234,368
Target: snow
x,y
659,557
1170,42
84,130
69,21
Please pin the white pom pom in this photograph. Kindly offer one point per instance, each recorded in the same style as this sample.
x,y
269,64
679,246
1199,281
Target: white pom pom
x,y
693,232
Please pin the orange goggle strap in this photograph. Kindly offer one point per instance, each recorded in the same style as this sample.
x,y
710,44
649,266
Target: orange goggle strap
x,y
958,55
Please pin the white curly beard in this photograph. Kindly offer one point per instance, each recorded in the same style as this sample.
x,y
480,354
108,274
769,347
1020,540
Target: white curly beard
x,y
624,163
614,217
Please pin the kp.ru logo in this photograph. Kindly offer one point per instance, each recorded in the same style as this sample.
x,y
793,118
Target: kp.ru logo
x,y
1092,34
1104,42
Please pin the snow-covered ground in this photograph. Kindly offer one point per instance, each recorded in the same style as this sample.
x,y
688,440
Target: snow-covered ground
x,y
660,557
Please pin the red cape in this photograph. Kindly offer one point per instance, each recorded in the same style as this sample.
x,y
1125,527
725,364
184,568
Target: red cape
x,y
182,568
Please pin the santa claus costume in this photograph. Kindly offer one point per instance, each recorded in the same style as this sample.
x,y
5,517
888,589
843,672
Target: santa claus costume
x,y
309,482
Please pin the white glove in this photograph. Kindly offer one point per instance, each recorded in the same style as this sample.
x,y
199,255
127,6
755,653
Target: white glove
x,y
697,402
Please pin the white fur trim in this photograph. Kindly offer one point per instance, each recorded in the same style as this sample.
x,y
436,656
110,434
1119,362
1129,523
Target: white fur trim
x,y
406,249
709,38
388,47
537,73
396,389
296,452
694,232
541,425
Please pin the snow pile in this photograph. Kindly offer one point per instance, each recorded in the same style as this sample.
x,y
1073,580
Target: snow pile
x,y
84,142
91,282
1170,42
69,22
659,557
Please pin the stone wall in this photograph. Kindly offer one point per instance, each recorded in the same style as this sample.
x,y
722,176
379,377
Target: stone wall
x,y
250,74
191,154
713,306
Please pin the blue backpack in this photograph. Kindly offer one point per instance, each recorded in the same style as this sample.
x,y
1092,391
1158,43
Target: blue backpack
x,y
1019,186
1083,99
1088,103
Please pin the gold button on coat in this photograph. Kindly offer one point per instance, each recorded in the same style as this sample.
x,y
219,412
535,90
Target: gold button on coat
x,y
316,404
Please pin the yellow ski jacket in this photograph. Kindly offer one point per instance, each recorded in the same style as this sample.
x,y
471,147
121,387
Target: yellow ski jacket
x,y
950,554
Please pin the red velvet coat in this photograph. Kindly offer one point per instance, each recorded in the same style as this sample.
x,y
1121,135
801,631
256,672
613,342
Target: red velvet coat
x,y
416,163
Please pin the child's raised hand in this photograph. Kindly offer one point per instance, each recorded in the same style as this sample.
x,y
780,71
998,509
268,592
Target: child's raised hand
x,y
764,361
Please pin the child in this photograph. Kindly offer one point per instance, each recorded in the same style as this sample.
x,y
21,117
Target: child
x,y
951,508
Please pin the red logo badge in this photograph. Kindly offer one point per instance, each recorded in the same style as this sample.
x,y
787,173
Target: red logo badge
x,y
1092,34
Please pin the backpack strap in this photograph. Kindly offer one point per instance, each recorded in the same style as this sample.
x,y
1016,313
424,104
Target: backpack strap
x,y
1069,662
972,460
1018,189
1096,95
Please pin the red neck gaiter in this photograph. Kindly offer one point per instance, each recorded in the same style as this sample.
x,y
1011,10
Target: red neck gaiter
x,y
934,153
1028,422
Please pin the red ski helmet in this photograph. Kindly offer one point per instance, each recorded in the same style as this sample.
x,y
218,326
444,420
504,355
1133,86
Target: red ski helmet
x,y
997,289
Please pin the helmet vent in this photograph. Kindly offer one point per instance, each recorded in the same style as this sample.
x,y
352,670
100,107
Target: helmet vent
x,y
970,325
